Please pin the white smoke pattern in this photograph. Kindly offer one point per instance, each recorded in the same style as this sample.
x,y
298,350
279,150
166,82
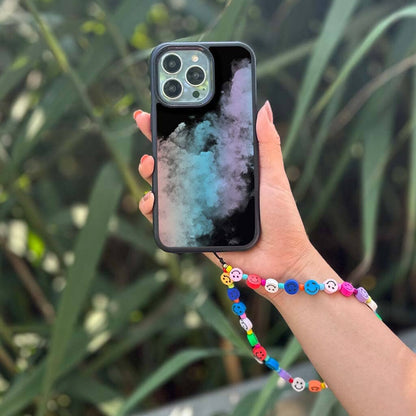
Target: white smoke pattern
x,y
202,167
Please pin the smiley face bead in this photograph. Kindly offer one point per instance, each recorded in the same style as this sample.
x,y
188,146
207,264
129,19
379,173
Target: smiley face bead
x,y
260,352
311,287
233,293
362,295
291,286
347,289
236,274
314,386
226,279
271,285
330,286
239,308
253,281
246,324
298,384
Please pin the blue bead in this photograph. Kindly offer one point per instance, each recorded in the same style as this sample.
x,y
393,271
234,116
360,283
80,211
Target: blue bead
x,y
291,286
311,287
245,276
272,364
233,293
321,286
239,308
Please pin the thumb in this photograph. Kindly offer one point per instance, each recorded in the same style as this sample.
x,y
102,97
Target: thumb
x,y
272,170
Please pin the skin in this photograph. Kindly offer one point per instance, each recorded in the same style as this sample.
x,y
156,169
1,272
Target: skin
x,y
363,362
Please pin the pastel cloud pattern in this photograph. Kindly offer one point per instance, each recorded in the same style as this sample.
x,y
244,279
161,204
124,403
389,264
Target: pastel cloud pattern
x,y
204,167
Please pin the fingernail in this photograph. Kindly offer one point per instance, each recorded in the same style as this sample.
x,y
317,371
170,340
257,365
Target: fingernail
x,y
146,195
143,158
269,111
136,113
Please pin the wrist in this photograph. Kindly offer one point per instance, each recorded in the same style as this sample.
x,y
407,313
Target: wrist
x,y
311,265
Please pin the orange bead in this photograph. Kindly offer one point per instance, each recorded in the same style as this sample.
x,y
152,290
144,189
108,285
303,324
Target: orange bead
x,y
315,386
301,286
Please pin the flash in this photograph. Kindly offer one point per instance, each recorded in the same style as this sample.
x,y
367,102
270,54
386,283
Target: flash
x,y
195,58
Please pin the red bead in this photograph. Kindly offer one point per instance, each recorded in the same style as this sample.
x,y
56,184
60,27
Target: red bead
x,y
260,352
253,281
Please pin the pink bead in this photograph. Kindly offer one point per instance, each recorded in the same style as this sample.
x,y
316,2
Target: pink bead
x,y
243,316
347,289
236,274
263,282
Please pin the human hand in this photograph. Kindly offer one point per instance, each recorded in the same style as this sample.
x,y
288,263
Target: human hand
x,y
283,250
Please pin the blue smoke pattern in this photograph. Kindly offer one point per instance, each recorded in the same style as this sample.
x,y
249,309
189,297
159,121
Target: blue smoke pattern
x,y
202,166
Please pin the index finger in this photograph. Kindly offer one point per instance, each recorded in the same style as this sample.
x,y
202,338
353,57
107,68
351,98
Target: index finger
x,y
143,123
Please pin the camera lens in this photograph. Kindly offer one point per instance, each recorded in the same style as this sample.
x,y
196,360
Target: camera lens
x,y
195,75
172,63
172,88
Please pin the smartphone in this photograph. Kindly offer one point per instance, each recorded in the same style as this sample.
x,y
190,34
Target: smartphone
x,y
205,179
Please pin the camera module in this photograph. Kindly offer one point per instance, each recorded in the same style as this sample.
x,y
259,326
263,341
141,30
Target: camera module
x,y
172,88
172,63
195,75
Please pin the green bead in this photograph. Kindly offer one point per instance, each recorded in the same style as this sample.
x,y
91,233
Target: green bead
x,y
379,317
252,339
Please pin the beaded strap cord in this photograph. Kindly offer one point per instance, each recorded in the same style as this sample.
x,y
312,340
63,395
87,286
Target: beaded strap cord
x,y
233,275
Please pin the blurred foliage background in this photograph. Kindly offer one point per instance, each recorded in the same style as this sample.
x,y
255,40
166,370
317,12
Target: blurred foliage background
x,y
95,320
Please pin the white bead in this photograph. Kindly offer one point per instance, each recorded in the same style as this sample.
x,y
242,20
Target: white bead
x,y
246,324
271,285
298,384
331,286
371,304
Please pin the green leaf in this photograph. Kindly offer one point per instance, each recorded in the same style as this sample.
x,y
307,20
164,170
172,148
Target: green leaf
x,y
164,373
88,389
88,249
61,95
215,318
331,34
228,23
14,74
273,65
291,353
359,53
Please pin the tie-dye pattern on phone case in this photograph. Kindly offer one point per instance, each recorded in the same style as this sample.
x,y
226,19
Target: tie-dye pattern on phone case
x,y
206,163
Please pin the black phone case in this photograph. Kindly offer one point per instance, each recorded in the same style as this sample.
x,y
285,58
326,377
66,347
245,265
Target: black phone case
x,y
205,180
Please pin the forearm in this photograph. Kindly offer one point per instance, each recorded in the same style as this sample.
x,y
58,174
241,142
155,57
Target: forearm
x,y
367,367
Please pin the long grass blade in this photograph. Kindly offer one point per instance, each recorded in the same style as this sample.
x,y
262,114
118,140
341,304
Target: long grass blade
x,y
331,34
291,353
365,46
90,390
88,249
164,373
228,22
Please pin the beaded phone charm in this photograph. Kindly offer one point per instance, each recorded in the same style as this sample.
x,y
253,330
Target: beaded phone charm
x,y
232,275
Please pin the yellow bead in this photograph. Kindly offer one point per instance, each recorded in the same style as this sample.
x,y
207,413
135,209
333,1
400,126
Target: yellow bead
x,y
368,300
225,278
231,286
229,268
249,332
323,385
